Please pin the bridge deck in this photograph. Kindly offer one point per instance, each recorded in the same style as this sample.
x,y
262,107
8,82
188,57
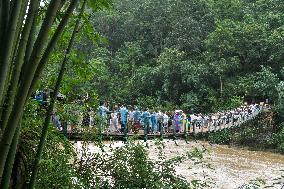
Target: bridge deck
x,y
193,130
120,136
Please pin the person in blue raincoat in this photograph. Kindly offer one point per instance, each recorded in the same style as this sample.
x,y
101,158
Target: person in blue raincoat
x,y
146,120
102,113
103,110
154,122
188,121
123,117
136,119
41,97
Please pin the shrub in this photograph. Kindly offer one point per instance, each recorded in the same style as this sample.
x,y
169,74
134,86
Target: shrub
x,y
129,166
220,137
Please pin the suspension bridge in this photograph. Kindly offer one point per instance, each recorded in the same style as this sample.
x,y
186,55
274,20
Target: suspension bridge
x,y
193,130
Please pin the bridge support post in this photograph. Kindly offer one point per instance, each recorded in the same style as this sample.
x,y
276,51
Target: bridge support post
x,y
100,136
146,127
185,132
161,127
125,133
64,128
174,132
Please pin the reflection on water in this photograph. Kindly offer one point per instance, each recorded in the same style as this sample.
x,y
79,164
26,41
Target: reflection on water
x,y
232,167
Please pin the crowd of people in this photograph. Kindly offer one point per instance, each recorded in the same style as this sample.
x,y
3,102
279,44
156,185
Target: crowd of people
x,y
132,119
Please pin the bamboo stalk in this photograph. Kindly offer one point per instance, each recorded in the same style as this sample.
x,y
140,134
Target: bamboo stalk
x,y
1,24
4,19
6,51
53,98
22,92
20,28
13,55
12,2
10,161
51,44
18,63
29,47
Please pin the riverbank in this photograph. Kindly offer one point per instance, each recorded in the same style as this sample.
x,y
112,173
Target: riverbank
x,y
259,134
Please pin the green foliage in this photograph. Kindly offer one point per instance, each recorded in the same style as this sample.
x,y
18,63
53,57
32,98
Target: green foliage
x,y
266,83
247,136
55,167
148,102
278,139
196,55
160,50
100,4
227,9
220,137
257,134
129,166
234,102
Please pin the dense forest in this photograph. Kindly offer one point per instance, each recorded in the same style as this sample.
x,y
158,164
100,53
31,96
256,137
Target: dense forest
x,y
196,55
200,55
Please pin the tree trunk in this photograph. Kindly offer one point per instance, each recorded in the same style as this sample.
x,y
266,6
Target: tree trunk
x,y
221,86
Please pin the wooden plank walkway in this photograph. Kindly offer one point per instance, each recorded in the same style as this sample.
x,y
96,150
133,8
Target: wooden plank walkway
x,y
120,136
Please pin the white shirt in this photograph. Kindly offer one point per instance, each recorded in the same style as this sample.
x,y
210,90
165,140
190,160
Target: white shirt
x,y
166,118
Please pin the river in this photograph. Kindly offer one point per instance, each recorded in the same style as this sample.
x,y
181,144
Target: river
x,y
231,167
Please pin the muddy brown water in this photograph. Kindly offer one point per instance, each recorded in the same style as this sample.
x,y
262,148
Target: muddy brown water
x,y
230,167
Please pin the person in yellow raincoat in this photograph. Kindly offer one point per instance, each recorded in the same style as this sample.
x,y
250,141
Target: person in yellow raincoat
x,y
184,122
